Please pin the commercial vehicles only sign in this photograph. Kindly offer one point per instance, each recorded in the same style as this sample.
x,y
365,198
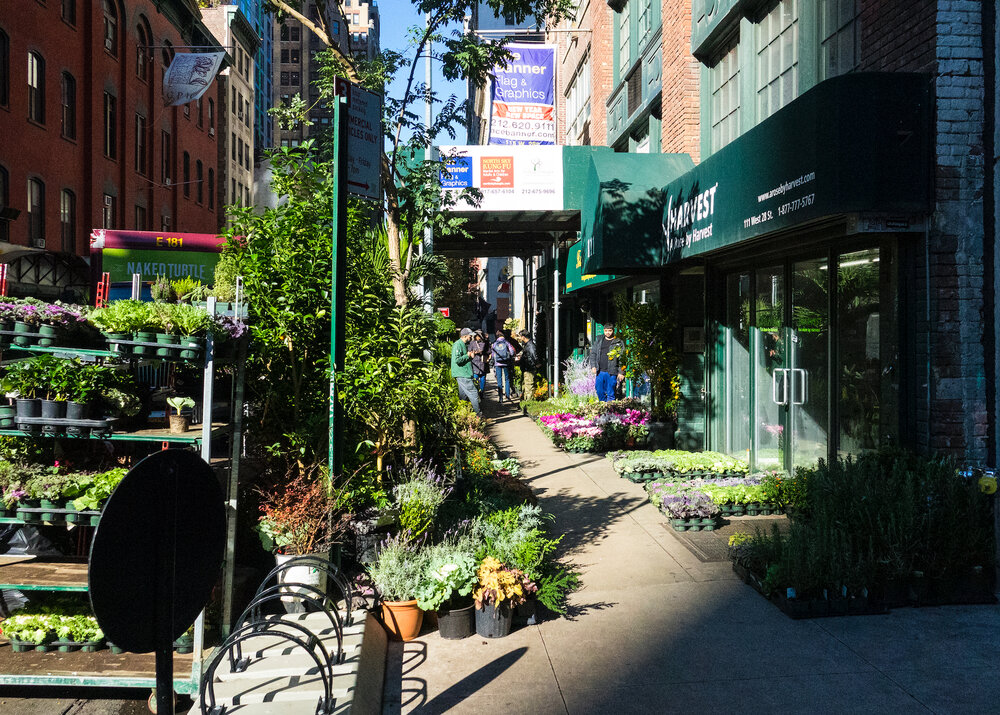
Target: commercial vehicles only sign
x,y
364,140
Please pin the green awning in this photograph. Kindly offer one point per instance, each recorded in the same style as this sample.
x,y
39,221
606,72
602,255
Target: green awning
x,y
575,277
623,208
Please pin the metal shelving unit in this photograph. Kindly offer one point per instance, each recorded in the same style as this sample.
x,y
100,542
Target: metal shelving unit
x,y
103,668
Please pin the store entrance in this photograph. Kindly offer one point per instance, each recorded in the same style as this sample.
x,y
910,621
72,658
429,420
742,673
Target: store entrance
x,y
792,385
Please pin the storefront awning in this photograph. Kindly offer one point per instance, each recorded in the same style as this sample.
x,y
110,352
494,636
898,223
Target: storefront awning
x,y
575,277
856,144
622,210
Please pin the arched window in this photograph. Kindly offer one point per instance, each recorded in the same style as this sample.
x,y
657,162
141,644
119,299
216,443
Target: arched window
x,y
167,55
67,220
211,189
69,11
36,87
142,53
68,106
4,69
36,213
199,192
110,26
4,200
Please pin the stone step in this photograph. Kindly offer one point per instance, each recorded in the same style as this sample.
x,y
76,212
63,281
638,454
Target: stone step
x,y
296,688
293,707
297,662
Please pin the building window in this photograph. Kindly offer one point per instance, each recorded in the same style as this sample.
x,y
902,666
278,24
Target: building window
x,y
68,106
578,105
839,33
294,57
187,110
140,218
164,223
142,54
284,33
232,145
109,210
166,56
725,77
67,220
110,126
624,58
4,69
240,153
36,87
4,201
69,11
295,34
165,163
295,78
211,189
284,57
777,58
645,20
284,78
199,191
141,153
36,213
110,26
211,116
232,194
186,168
199,105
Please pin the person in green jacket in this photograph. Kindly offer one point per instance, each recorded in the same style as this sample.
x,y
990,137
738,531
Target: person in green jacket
x,y
461,370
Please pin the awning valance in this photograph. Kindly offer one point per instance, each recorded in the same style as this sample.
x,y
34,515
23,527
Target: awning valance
x,y
575,277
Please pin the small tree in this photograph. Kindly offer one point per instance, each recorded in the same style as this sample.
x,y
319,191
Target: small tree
x,y
648,333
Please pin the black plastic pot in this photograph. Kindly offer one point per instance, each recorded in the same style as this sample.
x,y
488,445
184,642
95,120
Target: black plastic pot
x,y
455,624
55,411
28,408
77,411
492,622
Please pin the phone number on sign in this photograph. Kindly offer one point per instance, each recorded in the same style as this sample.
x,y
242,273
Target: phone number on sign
x,y
521,124
787,208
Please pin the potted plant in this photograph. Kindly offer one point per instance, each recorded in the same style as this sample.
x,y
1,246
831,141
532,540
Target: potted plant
x,y
76,632
26,631
23,378
97,490
164,315
447,587
162,291
57,321
26,321
499,589
179,423
419,498
186,289
117,322
192,324
144,326
54,376
8,313
398,575
300,518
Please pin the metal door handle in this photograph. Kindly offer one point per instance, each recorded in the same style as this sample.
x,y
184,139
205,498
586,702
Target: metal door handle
x,y
784,386
803,393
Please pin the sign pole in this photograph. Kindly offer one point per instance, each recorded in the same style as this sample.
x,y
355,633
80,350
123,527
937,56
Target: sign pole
x,y
338,288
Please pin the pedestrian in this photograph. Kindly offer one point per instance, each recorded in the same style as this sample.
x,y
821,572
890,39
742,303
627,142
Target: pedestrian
x,y
479,350
503,356
605,361
527,359
461,369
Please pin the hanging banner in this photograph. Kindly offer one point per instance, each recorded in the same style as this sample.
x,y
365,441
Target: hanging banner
x,y
189,75
523,97
154,253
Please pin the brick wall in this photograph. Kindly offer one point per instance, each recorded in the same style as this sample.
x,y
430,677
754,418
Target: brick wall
x,y
679,98
594,38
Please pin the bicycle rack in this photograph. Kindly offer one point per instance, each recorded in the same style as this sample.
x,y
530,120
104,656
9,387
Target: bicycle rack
x,y
331,571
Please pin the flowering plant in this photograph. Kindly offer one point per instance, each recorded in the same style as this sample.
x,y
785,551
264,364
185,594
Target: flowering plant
x,y
450,572
689,505
580,379
299,517
497,584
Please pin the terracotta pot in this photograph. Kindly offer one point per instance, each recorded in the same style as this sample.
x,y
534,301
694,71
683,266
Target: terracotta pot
x,y
402,619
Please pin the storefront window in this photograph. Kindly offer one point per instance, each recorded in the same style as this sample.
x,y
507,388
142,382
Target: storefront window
x,y
647,293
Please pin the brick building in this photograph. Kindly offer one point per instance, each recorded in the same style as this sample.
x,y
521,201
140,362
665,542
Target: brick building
x,y
831,256
86,140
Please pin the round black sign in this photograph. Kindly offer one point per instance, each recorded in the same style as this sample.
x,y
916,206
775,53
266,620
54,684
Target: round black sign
x,y
157,550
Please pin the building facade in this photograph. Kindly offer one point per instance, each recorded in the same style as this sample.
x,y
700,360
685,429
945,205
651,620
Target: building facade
x,y
236,92
87,142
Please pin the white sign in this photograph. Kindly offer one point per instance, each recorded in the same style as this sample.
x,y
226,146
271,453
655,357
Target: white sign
x,y
189,75
364,140
511,178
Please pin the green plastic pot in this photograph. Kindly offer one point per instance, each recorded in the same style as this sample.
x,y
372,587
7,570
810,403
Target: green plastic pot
x,y
7,413
48,334
20,328
191,347
166,339
116,343
143,336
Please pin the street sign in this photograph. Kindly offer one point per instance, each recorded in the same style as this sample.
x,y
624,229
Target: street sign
x,y
446,312
364,140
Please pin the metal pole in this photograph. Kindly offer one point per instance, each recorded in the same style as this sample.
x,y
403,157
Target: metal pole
x,y
555,319
338,288
427,246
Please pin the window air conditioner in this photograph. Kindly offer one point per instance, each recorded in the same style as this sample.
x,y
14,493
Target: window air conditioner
x,y
211,131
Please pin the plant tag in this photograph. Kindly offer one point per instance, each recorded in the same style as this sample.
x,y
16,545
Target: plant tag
x,y
843,591
826,596
790,593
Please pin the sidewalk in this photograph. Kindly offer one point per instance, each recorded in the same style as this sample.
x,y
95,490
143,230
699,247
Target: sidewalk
x,y
654,629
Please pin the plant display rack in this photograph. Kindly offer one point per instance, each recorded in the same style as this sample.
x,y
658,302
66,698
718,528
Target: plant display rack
x,y
105,667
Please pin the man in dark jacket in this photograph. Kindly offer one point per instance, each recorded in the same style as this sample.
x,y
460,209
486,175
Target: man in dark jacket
x,y
461,369
527,359
605,361
503,358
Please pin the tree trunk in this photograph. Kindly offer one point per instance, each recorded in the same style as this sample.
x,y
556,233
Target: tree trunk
x,y
395,259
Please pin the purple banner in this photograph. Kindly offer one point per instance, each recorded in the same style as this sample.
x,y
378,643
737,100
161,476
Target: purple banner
x,y
102,238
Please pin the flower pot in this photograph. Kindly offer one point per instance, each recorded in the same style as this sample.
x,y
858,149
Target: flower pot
x,y
115,649
166,339
184,644
52,508
456,623
143,336
494,622
48,335
402,619
72,517
28,407
19,646
116,343
20,338
305,574
7,413
179,424
5,340
54,410
191,347
526,614
77,411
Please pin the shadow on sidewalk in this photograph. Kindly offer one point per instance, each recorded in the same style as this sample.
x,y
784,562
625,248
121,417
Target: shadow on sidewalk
x,y
414,690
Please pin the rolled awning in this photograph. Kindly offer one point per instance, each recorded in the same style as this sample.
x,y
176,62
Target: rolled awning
x,y
622,210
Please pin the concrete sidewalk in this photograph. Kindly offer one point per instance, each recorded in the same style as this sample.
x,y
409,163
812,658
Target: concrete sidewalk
x,y
655,630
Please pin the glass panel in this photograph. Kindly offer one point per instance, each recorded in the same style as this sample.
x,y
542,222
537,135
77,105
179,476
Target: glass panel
x,y
859,338
808,393
736,394
770,379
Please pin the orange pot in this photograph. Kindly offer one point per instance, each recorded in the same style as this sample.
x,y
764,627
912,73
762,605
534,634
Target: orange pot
x,y
402,619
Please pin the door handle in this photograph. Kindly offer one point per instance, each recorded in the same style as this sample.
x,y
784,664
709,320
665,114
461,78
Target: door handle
x,y
784,386
803,393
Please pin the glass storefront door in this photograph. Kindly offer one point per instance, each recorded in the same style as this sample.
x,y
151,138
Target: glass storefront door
x,y
806,365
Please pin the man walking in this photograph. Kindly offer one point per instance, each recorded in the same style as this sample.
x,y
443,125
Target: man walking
x,y
503,355
477,347
461,369
605,361
528,360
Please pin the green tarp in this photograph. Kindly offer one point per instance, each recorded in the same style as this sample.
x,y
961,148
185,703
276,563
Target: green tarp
x,y
575,277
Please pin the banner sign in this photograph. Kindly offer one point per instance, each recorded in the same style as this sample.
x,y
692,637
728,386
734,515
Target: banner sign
x,y
523,97
159,240
152,254
510,178
189,75
575,277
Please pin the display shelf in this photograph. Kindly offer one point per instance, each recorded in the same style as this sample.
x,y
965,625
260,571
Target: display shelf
x,y
194,434
62,351
100,669
41,575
